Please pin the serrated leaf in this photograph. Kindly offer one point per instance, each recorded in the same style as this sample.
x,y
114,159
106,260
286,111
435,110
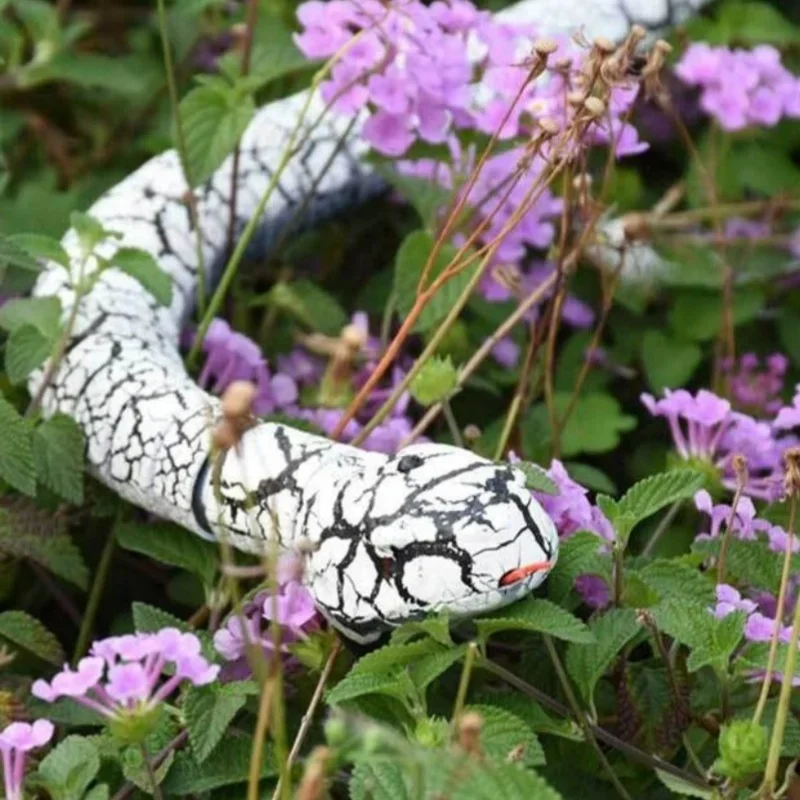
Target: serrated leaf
x,y
58,448
378,780
392,656
17,466
437,627
209,711
749,562
358,684
427,198
578,554
26,349
586,664
228,764
670,578
427,668
505,781
90,231
14,254
98,792
274,52
135,769
532,714
68,770
171,545
139,264
44,313
535,615
39,246
214,119
27,632
56,552
504,733
650,495
681,787
536,478
309,303
409,265
726,634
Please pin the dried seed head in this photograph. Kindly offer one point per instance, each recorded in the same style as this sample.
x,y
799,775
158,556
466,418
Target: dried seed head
x,y
237,401
791,480
637,33
582,182
516,754
562,64
354,337
663,47
549,126
575,98
472,433
739,464
635,226
604,45
545,47
595,106
225,436
304,546
312,786
469,732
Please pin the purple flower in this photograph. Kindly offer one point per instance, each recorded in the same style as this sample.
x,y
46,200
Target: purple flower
x,y
121,678
757,389
16,741
292,608
389,134
729,600
744,524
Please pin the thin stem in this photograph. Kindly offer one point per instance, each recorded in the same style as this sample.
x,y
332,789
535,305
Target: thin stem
x,y
180,140
452,423
259,737
128,789
662,528
95,596
463,684
59,595
156,789
784,701
581,716
726,539
782,592
308,717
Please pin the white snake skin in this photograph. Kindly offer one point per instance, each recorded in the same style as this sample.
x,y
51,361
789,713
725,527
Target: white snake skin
x,y
431,528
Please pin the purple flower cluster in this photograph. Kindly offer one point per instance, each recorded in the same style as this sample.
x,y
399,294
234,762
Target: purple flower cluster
x,y
122,676
293,609
756,389
741,88
571,511
16,741
707,430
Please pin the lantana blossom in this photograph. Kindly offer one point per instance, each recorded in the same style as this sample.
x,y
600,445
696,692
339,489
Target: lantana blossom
x,y
16,741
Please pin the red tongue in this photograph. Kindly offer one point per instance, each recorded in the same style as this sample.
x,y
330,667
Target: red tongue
x,y
518,574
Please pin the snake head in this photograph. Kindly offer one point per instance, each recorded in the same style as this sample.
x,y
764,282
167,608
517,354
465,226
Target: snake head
x,y
434,528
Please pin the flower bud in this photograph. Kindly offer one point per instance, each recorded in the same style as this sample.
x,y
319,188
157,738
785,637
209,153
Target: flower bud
x,y
434,382
335,732
238,399
743,747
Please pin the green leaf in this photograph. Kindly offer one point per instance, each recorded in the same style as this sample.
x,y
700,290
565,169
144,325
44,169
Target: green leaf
x,y
726,634
504,733
697,315
58,448
98,792
140,265
506,781
17,466
171,545
588,663
214,118
532,714
670,578
228,764
392,656
274,52
577,555
308,303
536,478
14,253
679,786
747,22
69,769
650,495
27,632
751,563
436,626
378,780
427,668
135,769
427,198
435,381
536,615
46,248
43,313
128,76
90,231
668,362
358,684
26,349
209,711
409,265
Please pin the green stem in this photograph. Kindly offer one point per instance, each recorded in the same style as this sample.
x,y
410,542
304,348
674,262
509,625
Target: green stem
x,y
581,716
96,594
463,684
151,774
183,153
662,528
452,423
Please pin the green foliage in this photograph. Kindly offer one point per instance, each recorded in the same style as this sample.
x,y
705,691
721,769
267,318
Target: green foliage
x,y
214,117
748,562
409,268
435,382
577,555
17,465
144,268
209,711
26,349
171,545
540,616
68,770
668,361
308,303
536,478
505,735
743,747
25,631
58,447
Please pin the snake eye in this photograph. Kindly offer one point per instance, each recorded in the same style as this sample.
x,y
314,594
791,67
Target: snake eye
x,y
407,463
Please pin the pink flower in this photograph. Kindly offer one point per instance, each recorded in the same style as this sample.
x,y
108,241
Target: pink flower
x,y
132,666
389,134
16,741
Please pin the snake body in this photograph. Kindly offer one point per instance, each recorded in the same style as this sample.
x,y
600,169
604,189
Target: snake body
x,y
431,528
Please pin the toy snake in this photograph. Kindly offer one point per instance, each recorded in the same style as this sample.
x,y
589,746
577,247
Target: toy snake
x,y
431,528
